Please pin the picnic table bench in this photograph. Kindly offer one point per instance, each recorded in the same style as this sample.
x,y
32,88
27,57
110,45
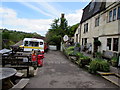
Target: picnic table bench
x,y
18,61
21,84
19,74
5,75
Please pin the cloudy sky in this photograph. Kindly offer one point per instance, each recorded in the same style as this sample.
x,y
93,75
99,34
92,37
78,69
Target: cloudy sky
x,y
37,16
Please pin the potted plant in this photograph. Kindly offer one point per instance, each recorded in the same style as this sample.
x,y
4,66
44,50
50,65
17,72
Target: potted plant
x,y
84,61
97,43
114,61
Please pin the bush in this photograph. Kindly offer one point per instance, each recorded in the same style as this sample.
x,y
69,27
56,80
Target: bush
x,y
114,61
104,66
99,65
84,60
98,55
79,54
70,48
77,45
71,53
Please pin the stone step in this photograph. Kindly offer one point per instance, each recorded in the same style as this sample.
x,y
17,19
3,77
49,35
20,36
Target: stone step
x,y
112,78
105,73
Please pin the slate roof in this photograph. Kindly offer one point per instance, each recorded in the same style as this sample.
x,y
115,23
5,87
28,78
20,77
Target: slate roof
x,y
92,9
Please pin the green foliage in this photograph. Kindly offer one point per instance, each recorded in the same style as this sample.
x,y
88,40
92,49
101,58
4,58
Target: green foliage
x,y
98,55
70,51
99,65
79,54
10,37
114,61
70,48
56,32
84,60
72,29
59,29
77,45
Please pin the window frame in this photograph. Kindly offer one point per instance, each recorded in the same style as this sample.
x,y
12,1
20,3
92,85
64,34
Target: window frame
x,y
110,16
97,21
115,46
114,18
118,12
109,44
85,27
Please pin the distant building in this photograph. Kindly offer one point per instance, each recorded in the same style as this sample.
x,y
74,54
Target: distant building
x,y
100,22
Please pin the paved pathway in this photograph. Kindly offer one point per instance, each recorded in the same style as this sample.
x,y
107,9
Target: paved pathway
x,y
59,72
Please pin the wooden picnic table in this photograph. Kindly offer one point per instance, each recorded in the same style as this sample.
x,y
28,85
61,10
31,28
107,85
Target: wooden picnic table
x,y
5,76
7,73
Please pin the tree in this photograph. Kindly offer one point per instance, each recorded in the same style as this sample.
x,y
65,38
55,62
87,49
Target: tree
x,y
58,29
10,37
72,29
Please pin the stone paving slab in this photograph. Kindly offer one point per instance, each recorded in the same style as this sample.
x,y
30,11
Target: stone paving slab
x,y
112,78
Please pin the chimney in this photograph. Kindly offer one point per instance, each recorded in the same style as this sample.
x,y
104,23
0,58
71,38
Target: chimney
x,y
62,15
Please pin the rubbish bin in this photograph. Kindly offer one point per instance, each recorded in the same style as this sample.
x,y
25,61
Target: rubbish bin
x,y
40,59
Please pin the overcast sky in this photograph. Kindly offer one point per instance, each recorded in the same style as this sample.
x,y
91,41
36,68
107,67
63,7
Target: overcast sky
x,y
37,16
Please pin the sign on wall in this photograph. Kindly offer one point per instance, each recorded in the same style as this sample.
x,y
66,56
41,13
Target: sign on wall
x,y
65,38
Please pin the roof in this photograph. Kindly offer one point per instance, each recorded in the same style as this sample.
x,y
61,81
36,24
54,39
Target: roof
x,y
5,50
92,9
32,39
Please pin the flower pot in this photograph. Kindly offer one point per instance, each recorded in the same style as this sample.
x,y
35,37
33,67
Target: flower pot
x,y
114,64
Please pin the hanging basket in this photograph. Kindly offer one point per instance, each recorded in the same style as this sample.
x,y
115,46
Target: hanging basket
x,y
97,43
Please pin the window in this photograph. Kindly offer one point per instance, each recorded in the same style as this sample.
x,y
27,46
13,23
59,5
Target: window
x,y
85,41
118,12
115,44
34,44
114,14
110,16
26,43
97,21
85,27
41,43
76,37
109,40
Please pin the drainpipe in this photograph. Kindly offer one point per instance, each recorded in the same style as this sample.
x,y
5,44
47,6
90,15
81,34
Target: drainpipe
x,y
80,34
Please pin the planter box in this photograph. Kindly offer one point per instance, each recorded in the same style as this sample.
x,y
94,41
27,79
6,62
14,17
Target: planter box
x,y
114,64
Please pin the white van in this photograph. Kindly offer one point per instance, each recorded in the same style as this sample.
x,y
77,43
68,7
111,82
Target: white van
x,y
32,43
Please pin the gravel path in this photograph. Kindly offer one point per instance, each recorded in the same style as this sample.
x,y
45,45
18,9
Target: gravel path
x,y
59,72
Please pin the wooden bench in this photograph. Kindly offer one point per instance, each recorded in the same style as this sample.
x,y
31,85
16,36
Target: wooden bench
x,y
20,67
21,84
19,74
